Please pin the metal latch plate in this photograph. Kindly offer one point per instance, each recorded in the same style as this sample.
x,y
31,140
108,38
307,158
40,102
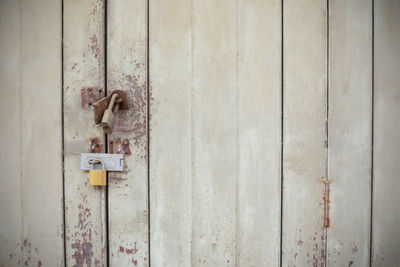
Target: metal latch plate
x,y
112,162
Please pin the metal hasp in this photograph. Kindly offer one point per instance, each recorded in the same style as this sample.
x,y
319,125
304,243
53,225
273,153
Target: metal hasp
x,y
106,108
112,162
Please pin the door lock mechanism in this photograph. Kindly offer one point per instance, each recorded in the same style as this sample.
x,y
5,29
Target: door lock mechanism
x,y
105,109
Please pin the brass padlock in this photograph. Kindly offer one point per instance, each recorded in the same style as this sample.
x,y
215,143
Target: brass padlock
x,y
97,177
108,120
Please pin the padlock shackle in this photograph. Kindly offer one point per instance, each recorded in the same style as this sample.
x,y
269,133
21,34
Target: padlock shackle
x,y
92,162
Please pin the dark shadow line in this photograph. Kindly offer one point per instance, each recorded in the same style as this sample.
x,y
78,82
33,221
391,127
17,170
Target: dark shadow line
x,y
148,131
282,106
62,132
372,129
105,135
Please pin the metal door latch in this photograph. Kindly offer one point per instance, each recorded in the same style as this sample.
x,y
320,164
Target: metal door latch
x,y
112,162
106,108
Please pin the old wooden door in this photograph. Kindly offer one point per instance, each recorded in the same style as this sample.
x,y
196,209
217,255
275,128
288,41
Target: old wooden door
x,y
259,133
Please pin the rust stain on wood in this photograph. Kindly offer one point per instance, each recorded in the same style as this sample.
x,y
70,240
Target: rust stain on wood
x,y
133,122
95,145
90,95
116,146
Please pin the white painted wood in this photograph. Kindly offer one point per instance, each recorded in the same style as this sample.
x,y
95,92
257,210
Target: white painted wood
x,y
172,115
41,132
83,84
386,215
350,129
170,144
259,132
128,191
31,213
214,132
304,118
10,135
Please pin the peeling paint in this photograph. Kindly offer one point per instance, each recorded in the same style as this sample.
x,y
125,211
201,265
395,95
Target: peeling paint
x,y
94,46
90,95
116,146
83,253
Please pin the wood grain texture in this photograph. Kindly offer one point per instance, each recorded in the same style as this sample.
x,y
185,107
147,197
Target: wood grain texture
x,y
214,133
304,132
386,214
41,132
83,84
32,214
170,144
10,135
194,118
128,191
350,129
259,132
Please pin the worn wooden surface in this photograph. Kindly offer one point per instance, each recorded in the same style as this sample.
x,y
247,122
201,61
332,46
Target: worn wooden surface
x,y
214,133
214,193
31,135
83,84
128,191
171,142
10,136
186,115
258,132
386,215
304,132
349,132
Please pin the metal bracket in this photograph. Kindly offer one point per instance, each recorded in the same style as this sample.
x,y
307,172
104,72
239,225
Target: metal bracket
x,y
112,162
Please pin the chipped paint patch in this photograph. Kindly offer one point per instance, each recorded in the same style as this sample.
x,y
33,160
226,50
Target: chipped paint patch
x,y
116,146
94,46
83,253
82,246
90,95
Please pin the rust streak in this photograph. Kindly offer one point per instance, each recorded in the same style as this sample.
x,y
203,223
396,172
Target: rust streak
x,y
95,145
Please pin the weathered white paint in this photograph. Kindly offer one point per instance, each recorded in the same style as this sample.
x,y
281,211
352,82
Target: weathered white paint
x,y
215,69
31,140
214,132
128,191
386,214
350,129
304,133
177,113
83,75
10,135
258,132
170,137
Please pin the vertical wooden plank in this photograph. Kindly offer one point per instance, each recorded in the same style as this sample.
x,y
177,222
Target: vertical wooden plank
x,y
31,72
214,133
304,140
83,85
32,133
349,144
128,191
259,132
170,137
10,135
41,132
386,216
